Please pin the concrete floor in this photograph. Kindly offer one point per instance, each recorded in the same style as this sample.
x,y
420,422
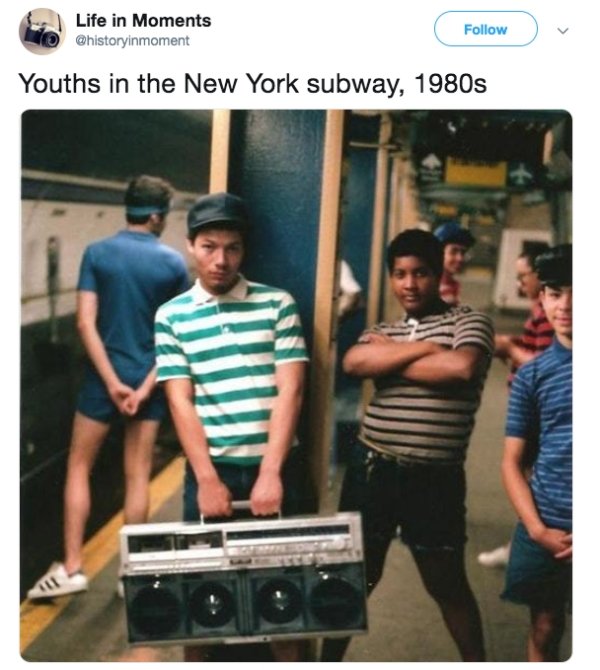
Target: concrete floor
x,y
404,623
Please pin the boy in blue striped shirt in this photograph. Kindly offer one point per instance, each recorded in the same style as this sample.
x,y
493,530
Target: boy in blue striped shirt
x,y
540,412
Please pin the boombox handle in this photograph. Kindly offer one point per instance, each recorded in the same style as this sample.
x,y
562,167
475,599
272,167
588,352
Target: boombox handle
x,y
240,504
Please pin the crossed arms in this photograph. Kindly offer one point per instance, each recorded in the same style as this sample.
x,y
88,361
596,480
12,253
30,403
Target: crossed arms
x,y
425,362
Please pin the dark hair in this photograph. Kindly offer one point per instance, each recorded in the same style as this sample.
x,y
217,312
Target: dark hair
x,y
420,243
146,192
452,232
531,250
555,267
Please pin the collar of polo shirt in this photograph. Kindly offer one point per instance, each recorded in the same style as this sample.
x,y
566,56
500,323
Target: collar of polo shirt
x,y
238,292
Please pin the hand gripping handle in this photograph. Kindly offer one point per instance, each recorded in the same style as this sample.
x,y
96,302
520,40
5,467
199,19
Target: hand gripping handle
x,y
240,505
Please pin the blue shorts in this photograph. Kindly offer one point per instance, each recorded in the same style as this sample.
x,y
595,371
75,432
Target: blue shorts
x,y
94,402
240,479
533,576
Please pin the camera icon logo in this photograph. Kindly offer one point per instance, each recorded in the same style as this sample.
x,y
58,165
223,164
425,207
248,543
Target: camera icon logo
x,y
42,31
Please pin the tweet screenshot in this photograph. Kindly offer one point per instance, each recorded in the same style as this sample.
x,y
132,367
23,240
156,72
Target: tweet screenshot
x,y
293,340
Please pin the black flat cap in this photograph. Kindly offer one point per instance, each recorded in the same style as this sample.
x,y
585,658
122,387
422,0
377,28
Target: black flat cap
x,y
217,208
555,267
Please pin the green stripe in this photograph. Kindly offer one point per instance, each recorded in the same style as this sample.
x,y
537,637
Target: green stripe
x,y
216,331
238,440
231,350
238,460
183,299
241,417
162,328
200,313
292,331
262,324
288,310
166,349
201,334
234,373
233,396
262,288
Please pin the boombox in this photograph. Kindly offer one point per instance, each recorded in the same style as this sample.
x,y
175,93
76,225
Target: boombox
x,y
244,581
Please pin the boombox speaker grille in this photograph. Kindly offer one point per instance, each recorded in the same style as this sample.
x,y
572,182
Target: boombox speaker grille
x,y
262,603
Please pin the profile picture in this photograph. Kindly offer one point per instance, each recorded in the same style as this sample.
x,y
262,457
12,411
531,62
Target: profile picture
x,y
42,31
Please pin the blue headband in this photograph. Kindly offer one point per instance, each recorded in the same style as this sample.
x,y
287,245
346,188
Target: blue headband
x,y
146,211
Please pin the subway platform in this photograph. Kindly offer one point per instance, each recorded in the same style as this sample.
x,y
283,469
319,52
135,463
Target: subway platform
x,y
404,623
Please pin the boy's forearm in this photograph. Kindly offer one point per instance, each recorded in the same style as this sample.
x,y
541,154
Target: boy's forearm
x,y
517,486
284,415
447,367
383,358
190,431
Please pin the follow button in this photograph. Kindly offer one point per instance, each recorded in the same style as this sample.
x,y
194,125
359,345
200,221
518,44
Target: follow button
x,y
486,29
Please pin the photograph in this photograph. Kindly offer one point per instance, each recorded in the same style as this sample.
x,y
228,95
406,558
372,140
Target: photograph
x,y
295,384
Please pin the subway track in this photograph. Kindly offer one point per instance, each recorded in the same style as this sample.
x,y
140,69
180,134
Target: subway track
x,y
41,527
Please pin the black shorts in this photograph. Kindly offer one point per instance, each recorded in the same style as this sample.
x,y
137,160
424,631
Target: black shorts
x,y
426,502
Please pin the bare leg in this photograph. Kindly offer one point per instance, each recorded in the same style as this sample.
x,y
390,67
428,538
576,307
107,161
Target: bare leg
x,y
88,436
444,576
545,634
289,651
139,655
194,654
140,437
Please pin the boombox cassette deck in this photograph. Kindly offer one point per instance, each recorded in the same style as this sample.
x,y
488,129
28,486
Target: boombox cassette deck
x,y
244,581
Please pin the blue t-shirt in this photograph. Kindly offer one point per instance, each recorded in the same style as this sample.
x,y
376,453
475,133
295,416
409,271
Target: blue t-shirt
x,y
541,398
132,274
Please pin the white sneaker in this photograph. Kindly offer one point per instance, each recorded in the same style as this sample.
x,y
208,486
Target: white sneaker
x,y
57,582
120,588
496,558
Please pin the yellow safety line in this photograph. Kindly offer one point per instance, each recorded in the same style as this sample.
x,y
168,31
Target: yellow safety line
x,y
97,553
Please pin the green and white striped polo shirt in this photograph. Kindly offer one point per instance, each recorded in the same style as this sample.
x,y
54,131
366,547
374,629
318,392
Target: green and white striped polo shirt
x,y
229,345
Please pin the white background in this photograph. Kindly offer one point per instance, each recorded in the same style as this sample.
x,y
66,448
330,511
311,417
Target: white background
x,y
378,38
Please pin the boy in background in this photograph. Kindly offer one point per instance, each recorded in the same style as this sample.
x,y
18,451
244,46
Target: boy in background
x,y
457,241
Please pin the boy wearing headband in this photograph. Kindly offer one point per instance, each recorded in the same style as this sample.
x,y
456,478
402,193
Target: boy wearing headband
x,y
123,280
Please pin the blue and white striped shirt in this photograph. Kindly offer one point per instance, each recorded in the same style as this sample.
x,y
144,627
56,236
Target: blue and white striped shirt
x,y
541,398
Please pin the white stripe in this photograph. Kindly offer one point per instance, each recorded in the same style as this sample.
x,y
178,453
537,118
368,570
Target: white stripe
x,y
234,430
244,451
236,407
227,385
